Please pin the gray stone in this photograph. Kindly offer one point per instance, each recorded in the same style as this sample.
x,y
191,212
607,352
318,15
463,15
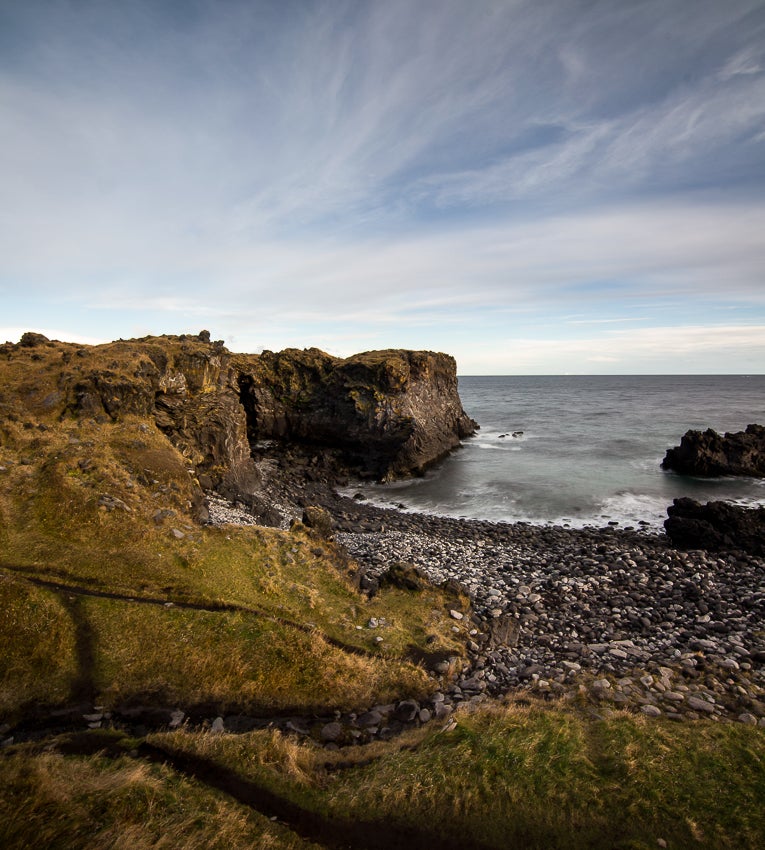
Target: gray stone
x,y
176,718
651,710
331,732
747,719
673,696
698,704
217,725
407,710
369,718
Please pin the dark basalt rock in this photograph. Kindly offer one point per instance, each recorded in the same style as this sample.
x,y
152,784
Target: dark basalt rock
x,y
405,576
709,454
716,526
391,413
319,520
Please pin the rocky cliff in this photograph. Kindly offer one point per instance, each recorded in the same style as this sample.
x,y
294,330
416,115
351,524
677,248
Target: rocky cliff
x,y
708,453
386,414
390,413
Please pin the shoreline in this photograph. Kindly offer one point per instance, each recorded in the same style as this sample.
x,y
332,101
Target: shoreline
x,y
614,618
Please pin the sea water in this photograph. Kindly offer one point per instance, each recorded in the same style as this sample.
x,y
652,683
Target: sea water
x,y
582,450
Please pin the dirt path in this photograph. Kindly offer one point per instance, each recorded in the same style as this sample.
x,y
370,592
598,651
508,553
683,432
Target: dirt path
x,y
332,832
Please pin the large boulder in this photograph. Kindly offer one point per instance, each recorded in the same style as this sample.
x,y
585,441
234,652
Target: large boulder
x,y
716,526
709,454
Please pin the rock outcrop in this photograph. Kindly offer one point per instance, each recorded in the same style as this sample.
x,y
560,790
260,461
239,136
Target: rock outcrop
x,y
390,413
716,526
383,414
187,384
708,453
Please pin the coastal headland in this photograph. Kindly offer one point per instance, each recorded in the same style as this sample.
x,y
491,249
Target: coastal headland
x,y
183,584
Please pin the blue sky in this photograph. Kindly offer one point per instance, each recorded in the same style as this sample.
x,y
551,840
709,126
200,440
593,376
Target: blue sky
x,y
535,186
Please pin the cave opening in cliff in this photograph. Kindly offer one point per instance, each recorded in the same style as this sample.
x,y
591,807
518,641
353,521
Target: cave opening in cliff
x,y
249,405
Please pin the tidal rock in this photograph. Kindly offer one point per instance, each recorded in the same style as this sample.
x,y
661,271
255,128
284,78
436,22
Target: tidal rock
x,y
708,453
715,526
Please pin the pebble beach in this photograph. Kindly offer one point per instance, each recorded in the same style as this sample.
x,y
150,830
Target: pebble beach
x,y
609,617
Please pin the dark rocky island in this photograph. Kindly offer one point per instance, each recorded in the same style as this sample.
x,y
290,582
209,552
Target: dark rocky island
x,y
708,454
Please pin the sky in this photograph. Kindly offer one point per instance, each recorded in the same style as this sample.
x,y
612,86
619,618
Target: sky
x,y
534,186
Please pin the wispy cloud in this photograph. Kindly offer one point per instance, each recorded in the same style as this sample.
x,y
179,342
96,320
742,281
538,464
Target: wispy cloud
x,y
386,165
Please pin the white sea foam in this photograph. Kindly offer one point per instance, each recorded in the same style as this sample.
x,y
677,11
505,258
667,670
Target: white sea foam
x,y
633,508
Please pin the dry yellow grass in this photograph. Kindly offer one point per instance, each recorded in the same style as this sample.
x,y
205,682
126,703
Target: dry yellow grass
x,y
69,803
233,660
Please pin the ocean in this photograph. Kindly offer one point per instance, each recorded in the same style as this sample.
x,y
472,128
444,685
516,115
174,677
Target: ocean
x,y
586,452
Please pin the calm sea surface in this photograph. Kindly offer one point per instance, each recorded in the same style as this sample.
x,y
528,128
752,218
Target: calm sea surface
x,y
590,451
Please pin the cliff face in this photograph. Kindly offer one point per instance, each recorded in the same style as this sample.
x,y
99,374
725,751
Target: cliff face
x,y
388,413
708,453
392,413
187,385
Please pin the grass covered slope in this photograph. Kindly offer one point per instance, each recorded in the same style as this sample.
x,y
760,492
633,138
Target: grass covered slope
x,y
522,777
113,592
70,802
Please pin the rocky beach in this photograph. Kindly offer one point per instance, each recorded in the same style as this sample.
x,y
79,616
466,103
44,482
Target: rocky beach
x,y
607,617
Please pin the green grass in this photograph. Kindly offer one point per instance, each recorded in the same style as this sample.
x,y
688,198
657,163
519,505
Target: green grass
x,y
237,661
37,637
529,778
